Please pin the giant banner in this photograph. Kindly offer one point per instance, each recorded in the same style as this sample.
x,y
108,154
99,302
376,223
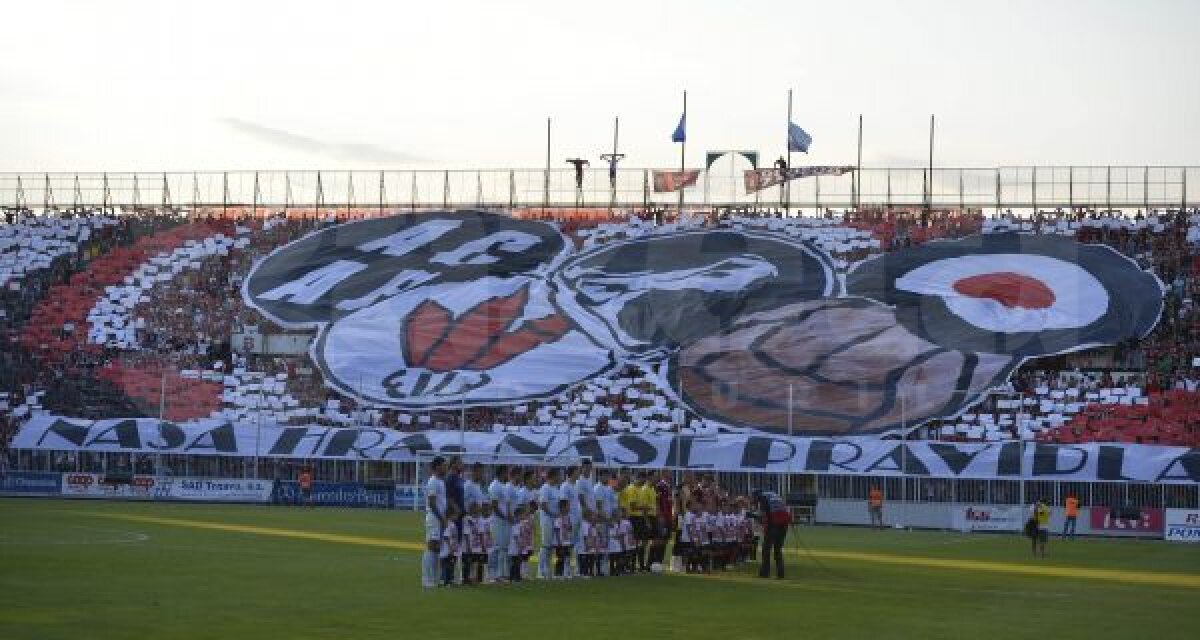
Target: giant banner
x,y
746,452
669,181
753,330
759,179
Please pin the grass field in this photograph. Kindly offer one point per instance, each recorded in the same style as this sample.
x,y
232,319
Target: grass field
x,y
83,570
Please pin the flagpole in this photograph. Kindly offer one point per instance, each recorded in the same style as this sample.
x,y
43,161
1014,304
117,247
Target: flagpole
x,y
787,141
858,171
613,183
683,154
929,192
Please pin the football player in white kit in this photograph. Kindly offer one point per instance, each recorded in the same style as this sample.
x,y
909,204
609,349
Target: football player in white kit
x,y
605,500
435,521
473,494
575,514
498,494
548,497
516,498
585,504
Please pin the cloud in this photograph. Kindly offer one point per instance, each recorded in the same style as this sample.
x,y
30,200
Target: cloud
x,y
350,151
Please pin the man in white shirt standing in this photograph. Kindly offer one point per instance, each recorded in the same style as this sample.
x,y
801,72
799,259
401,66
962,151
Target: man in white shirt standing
x,y
585,504
515,491
498,494
435,521
548,497
473,495
605,501
568,492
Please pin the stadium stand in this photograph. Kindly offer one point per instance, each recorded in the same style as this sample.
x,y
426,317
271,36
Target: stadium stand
x,y
121,313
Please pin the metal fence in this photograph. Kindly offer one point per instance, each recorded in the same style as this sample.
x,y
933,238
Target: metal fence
x,y
896,489
998,188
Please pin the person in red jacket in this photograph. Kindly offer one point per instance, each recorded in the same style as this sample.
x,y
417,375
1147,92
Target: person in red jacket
x,y
775,520
306,481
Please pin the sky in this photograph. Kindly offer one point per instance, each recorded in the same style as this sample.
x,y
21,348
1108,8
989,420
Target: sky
x,y
214,85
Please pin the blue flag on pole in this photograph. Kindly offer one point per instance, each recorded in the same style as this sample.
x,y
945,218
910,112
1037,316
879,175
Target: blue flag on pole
x,y
798,139
680,134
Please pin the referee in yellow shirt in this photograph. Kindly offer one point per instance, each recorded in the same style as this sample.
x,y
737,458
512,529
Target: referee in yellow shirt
x,y
626,493
641,499
648,505
627,500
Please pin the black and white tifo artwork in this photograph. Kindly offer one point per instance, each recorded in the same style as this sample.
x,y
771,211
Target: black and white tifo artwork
x,y
749,329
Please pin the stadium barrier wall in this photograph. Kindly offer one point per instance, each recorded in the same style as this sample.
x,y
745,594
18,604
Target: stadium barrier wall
x,y
1092,521
917,502
30,483
214,489
336,494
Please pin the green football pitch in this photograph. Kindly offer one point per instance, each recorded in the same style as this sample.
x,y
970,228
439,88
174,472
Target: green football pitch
x,y
84,570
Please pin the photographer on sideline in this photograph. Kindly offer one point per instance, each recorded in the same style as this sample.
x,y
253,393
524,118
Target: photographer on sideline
x,y
776,518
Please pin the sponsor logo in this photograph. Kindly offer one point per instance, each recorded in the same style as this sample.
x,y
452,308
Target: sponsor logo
x,y
1183,533
214,489
93,485
1182,525
30,482
1141,520
79,480
979,518
337,494
978,515
143,482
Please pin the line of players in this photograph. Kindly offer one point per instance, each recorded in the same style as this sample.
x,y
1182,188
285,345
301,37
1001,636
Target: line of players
x,y
589,523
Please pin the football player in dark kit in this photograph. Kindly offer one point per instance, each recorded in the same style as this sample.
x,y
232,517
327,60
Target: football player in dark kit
x,y
775,521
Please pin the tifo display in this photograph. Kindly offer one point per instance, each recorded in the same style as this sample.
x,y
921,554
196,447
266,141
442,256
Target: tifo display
x,y
1060,329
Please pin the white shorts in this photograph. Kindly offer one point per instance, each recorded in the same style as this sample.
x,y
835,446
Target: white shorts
x,y
433,528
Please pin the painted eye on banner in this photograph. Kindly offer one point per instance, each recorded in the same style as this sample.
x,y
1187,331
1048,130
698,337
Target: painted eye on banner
x,y
1014,294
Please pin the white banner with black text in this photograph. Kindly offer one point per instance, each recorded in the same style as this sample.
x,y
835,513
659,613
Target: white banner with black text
x,y
865,455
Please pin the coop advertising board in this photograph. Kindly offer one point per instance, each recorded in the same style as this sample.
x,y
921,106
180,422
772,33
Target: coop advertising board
x,y
1182,525
862,455
92,485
